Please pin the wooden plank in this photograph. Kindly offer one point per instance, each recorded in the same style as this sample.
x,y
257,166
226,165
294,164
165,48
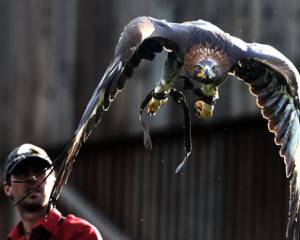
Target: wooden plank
x,y
155,177
203,186
129,190
164,196
173,193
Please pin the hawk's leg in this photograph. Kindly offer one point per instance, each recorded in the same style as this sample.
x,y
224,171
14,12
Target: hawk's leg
x,y
207,96
205,109
162,90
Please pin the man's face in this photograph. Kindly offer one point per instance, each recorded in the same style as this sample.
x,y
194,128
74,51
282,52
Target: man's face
x,y
15,189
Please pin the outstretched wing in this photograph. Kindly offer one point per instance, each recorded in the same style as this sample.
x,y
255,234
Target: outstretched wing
x,y
141,39
274,80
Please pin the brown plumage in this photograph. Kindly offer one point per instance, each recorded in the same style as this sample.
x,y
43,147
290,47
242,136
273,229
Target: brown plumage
x,y
207,54
206,51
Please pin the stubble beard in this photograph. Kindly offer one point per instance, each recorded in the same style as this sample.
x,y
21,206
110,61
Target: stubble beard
x,y
31,207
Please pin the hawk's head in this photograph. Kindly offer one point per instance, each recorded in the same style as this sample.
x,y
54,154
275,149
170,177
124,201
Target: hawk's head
x,y
207,64
207,71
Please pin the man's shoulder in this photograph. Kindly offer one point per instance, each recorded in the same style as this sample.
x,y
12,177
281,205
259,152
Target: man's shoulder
x,y
76,221
79,227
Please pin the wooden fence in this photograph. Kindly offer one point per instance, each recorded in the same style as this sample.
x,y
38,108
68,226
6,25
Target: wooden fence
x,y
54,52
233,187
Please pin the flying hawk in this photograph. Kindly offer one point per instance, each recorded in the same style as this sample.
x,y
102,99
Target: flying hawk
x,y
201,55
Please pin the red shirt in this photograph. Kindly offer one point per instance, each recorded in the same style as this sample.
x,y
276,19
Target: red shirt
x,y
54,227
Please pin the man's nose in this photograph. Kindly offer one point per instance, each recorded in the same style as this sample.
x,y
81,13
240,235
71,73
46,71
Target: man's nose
x,y
34,177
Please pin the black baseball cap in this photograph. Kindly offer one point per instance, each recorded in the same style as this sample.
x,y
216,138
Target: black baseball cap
x,y
22,153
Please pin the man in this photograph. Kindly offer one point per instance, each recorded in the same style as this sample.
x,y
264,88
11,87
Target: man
x,y
22,164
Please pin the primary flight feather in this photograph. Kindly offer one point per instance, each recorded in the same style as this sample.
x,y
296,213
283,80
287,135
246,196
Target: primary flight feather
x,y
201,55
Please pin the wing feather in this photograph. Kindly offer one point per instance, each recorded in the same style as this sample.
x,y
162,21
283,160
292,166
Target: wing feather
x,y
141,39
274,80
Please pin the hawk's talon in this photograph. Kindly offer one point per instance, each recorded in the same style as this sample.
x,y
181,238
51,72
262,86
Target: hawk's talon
x,y
203,109
154,105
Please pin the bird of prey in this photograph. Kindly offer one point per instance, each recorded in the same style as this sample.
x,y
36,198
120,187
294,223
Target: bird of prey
x,y
200,55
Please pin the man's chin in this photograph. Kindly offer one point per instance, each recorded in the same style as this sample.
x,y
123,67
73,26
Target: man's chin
x,y
33,208
32,205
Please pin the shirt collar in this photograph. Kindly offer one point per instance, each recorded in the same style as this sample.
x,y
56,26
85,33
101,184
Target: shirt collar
x,y
16,233
50,223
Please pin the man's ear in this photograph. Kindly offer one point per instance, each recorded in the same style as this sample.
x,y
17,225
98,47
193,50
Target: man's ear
x,y
7,189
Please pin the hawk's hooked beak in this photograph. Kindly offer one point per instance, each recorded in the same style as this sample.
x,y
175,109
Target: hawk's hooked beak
x,y
206,72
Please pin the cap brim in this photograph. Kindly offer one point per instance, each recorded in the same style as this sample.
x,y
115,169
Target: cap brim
x,y
25,160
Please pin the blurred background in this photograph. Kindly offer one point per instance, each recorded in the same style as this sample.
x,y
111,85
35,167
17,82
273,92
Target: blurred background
x,y
53,53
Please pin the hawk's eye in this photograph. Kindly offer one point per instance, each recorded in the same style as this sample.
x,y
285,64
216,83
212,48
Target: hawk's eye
x,y
197,68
